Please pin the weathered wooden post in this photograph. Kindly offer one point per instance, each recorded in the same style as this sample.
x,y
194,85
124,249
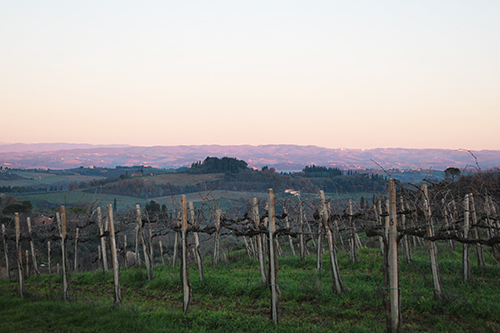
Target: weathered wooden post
x,y
262,258
19,256
273,264
438,292
197,247
114,256
161,254
301,231
99,260
176,245
337,285
137,230
319,248
481,262
103,241
147,254
287,223
406,241
218,213
466,252
49,257
354,252
186,286
447,222
393,260
27,270
124,250
6,251
32,246
75,268
64,255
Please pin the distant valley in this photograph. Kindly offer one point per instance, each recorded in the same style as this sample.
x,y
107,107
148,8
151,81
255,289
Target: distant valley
x,y
281,157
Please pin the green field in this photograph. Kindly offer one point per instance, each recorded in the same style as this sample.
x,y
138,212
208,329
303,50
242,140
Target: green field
x,y
38,178
232,298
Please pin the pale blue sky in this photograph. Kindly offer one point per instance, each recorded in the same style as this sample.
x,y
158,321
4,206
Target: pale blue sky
x,y
355,74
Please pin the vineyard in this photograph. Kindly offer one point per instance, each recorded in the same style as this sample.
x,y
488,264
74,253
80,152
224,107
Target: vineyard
x,y
415,258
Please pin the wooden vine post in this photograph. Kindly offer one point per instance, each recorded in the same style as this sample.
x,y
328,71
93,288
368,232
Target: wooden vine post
x,y
337,285
64,255
406,240
19,256
114,256
6,251
301,230
27,270
75,268
354,254
32,246
186,286
395,296
287,223
103,241
466,251
124,250
161,254
438,292
176,240
479,247
262,258
218,214
197,247
273,262
147,254
319,248
48,257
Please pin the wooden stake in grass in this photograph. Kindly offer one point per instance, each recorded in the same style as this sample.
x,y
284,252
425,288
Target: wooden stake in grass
x,y
393,260
301,230
64,255
319,248
32,246
114,257
161,254
287,223
19,256
99,256
262,258
218,213
6,251
103,241
273,262
48,257
27,270
466,251
186,286
479,247
197,247
354,252
337,285
124,250
406,241
75,268
438,292
147,254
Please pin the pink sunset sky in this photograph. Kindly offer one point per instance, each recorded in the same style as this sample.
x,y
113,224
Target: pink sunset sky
x,y
354,74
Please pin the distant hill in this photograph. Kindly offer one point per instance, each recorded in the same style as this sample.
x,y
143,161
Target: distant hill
x,y
281,157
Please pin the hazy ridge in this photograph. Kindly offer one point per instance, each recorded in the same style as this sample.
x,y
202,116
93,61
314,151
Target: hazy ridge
x,y
282,157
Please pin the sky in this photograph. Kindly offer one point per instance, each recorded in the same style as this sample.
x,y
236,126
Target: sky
x,y
335,74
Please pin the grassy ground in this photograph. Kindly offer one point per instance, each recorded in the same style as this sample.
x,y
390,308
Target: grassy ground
x,y
232,299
